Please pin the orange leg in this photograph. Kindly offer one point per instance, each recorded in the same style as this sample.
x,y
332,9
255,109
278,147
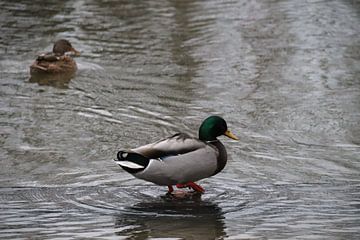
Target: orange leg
x,y
171,189
191,185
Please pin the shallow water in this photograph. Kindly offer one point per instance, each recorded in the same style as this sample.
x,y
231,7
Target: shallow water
x,y
284,74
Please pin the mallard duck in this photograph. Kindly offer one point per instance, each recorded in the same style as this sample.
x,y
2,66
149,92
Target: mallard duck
x,y
57,61
180,160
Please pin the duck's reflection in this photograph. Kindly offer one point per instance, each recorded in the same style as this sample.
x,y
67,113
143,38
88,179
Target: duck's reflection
x,y
59,80
171,218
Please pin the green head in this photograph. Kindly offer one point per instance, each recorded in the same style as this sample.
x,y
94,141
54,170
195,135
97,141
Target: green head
x,y
212,127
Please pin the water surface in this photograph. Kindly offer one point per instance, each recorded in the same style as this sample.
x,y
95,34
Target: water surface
x,y
284,74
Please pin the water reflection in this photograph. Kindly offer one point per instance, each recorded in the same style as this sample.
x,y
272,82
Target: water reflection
x,y
185,219
59,80
185,29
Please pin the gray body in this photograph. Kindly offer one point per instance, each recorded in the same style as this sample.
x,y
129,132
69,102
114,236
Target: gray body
x,y
181,159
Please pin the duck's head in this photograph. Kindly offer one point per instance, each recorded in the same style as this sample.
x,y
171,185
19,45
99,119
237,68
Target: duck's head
x,y
63,46
212,127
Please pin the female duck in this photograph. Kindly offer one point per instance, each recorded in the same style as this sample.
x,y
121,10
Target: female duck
x,y
57,61
180,159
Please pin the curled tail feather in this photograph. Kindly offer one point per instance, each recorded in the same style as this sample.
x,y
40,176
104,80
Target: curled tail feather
x,y
131,162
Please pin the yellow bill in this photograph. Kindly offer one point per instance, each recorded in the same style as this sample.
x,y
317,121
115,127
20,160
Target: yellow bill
x,y
230,135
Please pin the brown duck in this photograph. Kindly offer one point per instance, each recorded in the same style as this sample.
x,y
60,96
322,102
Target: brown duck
x,y
57,61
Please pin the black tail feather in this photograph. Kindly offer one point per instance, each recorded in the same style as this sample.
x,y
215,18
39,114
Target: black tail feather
x,y
133,158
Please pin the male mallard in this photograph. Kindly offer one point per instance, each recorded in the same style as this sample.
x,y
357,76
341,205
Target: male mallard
x,y
180,159
57,61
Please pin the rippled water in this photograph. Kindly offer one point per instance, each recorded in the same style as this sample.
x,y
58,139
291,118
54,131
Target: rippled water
x,y
284,74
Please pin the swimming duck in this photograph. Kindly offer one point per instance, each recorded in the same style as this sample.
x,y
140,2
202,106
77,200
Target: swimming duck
x,y
57,61
180,160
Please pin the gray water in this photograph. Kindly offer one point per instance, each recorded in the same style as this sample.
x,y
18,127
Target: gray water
x,y
284,74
